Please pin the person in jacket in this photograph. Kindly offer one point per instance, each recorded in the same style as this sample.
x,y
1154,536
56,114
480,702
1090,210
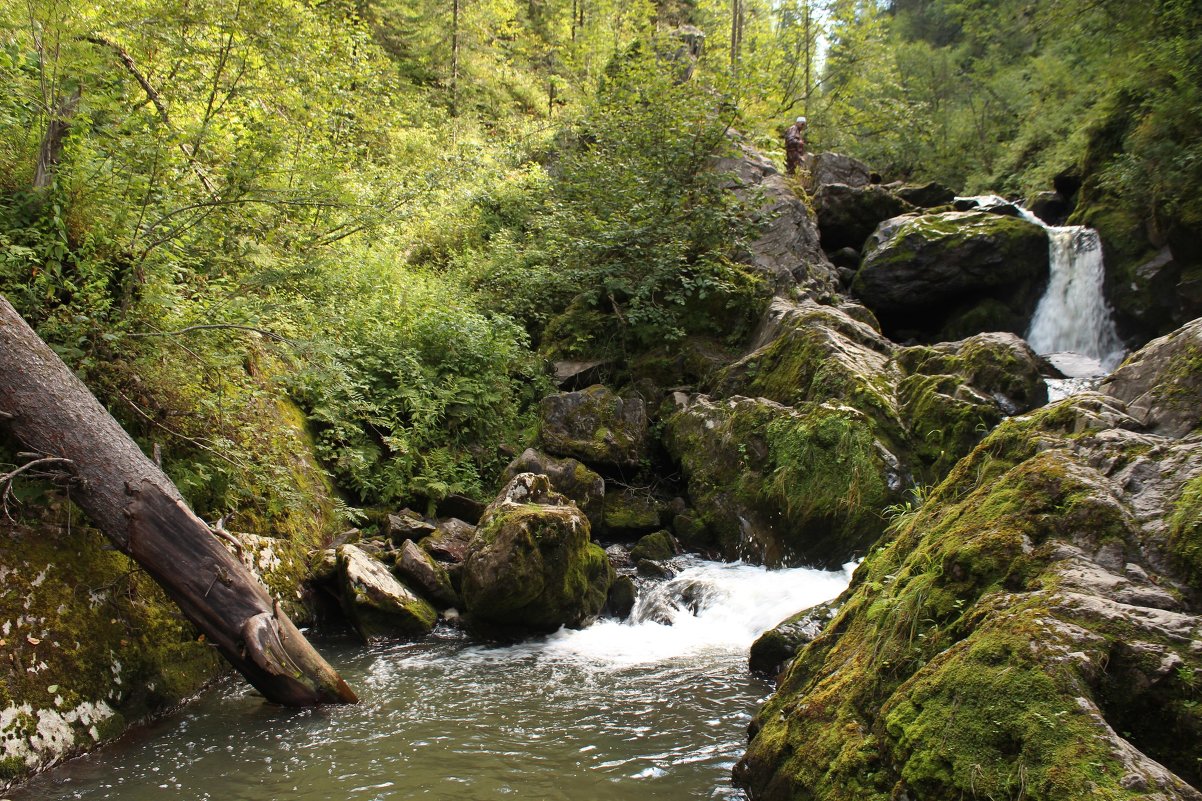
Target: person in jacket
x,y
795,145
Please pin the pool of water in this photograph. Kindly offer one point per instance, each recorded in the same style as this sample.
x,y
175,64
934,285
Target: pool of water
x,y
653,708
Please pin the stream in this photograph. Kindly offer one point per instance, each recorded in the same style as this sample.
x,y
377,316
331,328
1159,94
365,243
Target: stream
x,y
656,707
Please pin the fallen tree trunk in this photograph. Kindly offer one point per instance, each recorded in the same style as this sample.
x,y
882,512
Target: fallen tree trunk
x,y
140,510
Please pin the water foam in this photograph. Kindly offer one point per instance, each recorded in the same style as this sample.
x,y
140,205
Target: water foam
x,y
709,607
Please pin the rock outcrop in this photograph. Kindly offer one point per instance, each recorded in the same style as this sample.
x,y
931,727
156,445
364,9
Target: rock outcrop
x,y
1032,627
847,215
937,277
596,426
787,251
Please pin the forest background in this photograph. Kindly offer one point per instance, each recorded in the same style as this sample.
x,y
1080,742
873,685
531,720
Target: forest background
x,y
373,221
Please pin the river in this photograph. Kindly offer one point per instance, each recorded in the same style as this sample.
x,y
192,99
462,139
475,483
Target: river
x,y
656,707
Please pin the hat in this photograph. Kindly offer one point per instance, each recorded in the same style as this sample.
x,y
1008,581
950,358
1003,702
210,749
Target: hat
x,y
800,120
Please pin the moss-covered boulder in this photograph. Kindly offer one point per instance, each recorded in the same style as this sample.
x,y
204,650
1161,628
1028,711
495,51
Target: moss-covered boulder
x,y
954,393
569,477
1162,383
532,567
657,546
90,644
780,485
847,215
596,426
379,605
808,352
1030,630
927,196
927,276
630,512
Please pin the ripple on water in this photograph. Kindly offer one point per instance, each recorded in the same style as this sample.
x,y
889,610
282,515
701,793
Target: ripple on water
x,y
616,711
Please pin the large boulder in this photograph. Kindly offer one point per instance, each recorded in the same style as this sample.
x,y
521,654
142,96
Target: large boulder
x,y
954,393
787,251
847,215
569,477
596,426
927,196
782,486
1031,629
836,168
378,604
946,276
531,567
1162,383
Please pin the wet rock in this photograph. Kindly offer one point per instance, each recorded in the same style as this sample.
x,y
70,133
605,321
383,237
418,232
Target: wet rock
x,y
419,570
847,215
773,649
1050,206
950,275
649,568
379,605
406,525
621,598
531,567
568,476
658,547
1162,383
595,426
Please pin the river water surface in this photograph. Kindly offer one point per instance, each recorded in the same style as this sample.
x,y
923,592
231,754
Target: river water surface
x,y
653,708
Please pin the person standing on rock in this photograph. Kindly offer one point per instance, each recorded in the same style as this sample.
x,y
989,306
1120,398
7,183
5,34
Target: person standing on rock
x,y
795,145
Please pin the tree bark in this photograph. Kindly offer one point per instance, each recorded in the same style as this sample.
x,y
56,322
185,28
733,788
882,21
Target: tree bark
x,y
140,510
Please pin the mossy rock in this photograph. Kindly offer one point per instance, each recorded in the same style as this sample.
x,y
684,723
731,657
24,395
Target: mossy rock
x,y
380,606
595,426
657,546
90,642
1020,633
920,273
780,485
532,568
631,512
815,354
568,476
1162,383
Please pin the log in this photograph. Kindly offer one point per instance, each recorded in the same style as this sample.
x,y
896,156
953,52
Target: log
x,y
141,511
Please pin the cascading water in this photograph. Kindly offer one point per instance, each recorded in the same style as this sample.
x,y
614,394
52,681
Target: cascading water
x,y
1072,325
1072,316
653,708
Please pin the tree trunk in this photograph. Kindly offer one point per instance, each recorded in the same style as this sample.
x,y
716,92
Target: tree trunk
x,y
137,507
52,142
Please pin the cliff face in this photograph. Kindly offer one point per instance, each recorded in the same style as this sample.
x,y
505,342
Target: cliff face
x,y
1032,629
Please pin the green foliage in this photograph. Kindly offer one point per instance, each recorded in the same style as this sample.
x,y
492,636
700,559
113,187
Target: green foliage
x,y
633,237
412,391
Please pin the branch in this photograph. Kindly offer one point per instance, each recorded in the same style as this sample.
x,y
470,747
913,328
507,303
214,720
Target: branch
x,y
212,326
132,67
6,479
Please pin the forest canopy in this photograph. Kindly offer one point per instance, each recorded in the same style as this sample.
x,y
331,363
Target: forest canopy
x,y
384,215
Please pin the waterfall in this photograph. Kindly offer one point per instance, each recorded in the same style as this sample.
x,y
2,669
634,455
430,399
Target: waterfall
x,y
1073,315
